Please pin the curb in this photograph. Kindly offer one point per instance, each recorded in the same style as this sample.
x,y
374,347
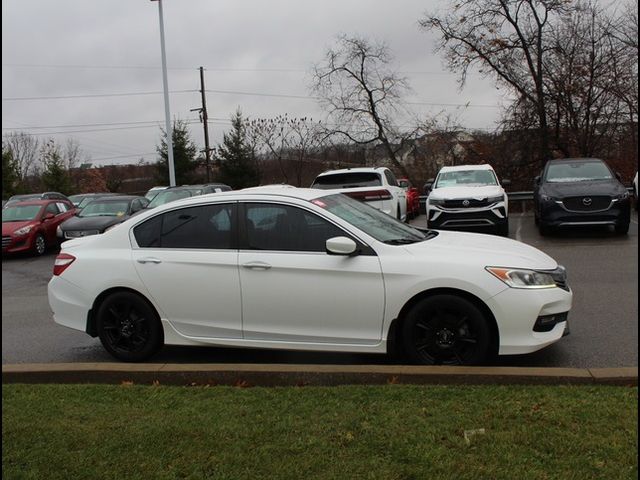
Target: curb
x,y
310,375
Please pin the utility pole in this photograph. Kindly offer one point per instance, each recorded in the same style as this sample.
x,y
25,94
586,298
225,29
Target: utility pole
x,y
205,123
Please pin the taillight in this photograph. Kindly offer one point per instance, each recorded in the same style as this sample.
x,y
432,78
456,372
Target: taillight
x,y
63,260
371,195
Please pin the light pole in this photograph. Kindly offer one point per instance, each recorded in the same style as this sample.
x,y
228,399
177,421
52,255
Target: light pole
x,y
167,115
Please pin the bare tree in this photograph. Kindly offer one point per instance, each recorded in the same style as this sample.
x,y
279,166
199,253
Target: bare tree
x,y
505,38
362,95
25,151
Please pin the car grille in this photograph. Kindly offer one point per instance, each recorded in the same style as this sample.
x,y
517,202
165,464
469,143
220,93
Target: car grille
x,y
6,241
467,203
80,233
587,203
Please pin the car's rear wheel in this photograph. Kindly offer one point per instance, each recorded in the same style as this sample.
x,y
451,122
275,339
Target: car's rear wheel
x,y
39,244
446,330
128,327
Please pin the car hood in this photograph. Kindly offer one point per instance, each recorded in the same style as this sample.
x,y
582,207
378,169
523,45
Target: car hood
x,y
91,223
487,250
454,193
576,189
9,227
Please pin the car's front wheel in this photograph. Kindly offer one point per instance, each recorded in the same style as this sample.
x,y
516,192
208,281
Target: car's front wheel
x,y
622,228
39,244
446,330
128,327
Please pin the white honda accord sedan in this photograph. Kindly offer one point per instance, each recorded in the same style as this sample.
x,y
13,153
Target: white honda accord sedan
x,y
307,270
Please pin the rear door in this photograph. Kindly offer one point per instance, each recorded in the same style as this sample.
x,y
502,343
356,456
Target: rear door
x,y
188,260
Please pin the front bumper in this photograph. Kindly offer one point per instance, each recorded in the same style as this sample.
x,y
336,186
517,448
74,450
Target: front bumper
x,y
440,218
12,244
555,214
517,312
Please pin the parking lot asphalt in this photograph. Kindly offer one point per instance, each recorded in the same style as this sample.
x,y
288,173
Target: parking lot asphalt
x,y
602,269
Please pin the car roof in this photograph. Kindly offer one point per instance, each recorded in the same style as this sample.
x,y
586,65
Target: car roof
x,y
458,168
355,170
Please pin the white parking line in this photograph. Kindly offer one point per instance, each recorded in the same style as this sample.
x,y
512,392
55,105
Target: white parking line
x,y
519,228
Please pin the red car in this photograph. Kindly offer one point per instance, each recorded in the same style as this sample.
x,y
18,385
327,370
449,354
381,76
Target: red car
x,y
31,225
413,197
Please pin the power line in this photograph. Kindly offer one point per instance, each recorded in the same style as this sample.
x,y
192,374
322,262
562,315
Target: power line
x,y
122,156
94,130
95,95
98,124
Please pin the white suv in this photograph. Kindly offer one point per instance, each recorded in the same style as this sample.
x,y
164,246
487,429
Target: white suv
x,y
376,186
468,196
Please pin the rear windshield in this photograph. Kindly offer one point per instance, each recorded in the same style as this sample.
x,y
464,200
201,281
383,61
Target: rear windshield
x,y
347,180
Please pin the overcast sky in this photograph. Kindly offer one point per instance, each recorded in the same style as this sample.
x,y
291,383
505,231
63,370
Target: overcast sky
x,y
255,53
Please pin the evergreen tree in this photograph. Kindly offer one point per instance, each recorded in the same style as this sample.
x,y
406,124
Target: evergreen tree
x,y
55,177
9,174
184,155
238,168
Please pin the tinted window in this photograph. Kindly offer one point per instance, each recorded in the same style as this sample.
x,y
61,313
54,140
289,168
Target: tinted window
x,y
391,178
347,180
206,226
51,208
281,227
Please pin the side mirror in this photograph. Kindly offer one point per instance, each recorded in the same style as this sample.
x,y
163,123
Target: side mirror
x,y
341,246
506,182
618,176
48,216
427,186
536,180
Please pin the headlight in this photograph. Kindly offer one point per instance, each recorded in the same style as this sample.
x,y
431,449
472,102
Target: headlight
x,y
522,278
623,196
496,199
436,201
23,230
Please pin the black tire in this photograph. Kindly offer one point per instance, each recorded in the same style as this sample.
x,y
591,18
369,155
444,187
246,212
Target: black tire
x,y
39,244
446,330
622,228
398,214
503,229
129,327
545,230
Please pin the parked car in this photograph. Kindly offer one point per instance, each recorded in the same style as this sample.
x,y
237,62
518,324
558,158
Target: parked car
x,y
580,191
413,197
87,197
468,197
306,269
153,191
31,225
172,194
376,186
635,189
85,201
36,196
214,188
101,214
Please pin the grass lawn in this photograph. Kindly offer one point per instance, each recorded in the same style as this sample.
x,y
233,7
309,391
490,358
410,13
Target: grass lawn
x,y
369,432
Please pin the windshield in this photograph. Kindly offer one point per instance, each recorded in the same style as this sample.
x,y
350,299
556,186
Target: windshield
x,y
347,180
373,222
99,208
20,213
168,196
466,178
577,172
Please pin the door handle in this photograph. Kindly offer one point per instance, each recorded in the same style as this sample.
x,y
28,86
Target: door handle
x,y
149,260
257,265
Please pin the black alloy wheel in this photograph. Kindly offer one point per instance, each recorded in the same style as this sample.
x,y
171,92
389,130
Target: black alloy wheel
x,y
446,330
128,327
39,244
